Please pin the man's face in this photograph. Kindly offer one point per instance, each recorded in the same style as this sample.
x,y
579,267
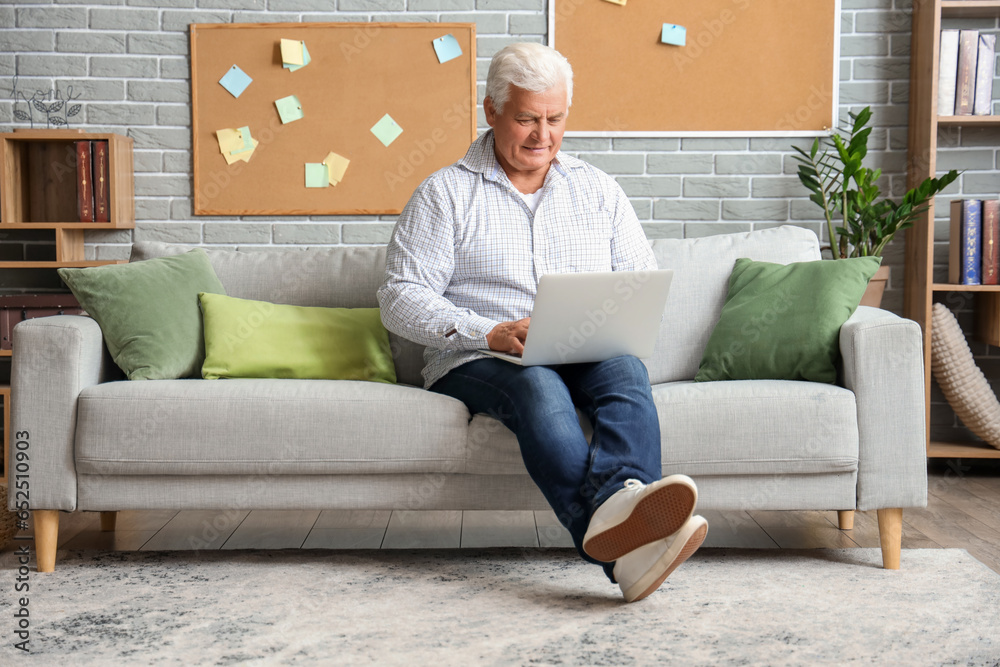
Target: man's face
x,y
528,133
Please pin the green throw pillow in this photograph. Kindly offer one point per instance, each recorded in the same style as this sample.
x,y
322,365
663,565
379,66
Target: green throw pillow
x,y
782,321
148,312
256,339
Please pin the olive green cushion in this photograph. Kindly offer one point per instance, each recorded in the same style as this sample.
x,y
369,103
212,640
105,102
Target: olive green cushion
x,y
257,339
782,321
148,312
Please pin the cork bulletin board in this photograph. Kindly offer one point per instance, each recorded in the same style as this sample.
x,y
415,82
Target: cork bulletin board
x,y
746,68
355,74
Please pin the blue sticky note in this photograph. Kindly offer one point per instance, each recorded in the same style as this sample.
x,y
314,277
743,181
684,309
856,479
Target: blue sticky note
x,y
289,108
447,48
673,34
247,141
235,81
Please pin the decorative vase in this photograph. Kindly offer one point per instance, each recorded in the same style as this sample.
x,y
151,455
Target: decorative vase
x,y
876,287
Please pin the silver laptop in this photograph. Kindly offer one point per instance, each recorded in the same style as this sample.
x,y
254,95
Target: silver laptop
x,y
594,316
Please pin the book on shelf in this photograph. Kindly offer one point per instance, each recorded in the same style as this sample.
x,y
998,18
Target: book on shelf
x,y
983,95
102,180
965,242
991,242
991,228
965,81
84,182
947,72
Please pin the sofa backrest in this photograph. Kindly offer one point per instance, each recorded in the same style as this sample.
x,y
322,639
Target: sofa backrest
x,y
348,276
701,281
337,277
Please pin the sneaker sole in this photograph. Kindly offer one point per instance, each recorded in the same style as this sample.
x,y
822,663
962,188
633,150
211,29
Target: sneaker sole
x,y
658,515
692,545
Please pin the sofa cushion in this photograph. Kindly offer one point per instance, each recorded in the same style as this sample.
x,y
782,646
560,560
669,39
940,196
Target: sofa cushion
x,y
148,312
760,427
257,339
782,321
337,277
701,281
267,427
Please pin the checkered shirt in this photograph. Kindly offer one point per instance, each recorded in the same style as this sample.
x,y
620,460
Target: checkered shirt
x,y
467,253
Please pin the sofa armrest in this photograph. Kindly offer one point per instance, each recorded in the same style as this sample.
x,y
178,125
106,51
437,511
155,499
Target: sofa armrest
x,y
54,359
884,367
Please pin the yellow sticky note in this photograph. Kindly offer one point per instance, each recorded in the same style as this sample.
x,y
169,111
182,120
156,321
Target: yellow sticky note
x,y
618,2
229,140
336,166
289,108
291,52
242,155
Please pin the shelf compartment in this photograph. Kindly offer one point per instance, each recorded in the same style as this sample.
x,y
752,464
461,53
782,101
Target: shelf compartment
x,y
970,9
38,178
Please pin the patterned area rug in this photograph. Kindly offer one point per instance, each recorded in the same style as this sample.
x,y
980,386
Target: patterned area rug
x,y
502,607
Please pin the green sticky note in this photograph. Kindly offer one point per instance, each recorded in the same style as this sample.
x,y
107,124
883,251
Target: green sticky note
x,y
317,175
289,108
387,130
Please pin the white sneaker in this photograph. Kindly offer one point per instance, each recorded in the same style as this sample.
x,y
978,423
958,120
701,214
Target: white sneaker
x,y
641,572
639,514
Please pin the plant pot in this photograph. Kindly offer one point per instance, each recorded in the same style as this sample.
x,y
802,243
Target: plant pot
x,y
876,286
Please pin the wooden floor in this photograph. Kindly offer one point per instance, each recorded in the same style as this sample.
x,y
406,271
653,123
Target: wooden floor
x,y
963,511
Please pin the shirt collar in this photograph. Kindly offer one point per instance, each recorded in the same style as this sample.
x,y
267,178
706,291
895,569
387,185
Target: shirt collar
x,y
481,159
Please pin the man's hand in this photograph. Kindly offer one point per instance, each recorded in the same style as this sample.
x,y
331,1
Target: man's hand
x,y
509,336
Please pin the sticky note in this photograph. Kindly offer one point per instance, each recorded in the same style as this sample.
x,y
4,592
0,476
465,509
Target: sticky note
x,y
291,52
617,2
316,175
673,34
235,144
306,59
447,48
336,165
235,81
247,141
387,130
289,108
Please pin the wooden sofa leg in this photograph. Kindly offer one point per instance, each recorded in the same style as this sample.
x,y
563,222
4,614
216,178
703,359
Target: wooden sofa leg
x,y
890,534
845,519
108,520
46,538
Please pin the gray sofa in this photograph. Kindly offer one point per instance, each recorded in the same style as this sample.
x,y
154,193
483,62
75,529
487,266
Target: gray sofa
x,y
98,443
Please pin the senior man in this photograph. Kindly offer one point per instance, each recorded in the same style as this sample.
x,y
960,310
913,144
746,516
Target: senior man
x,y
461,275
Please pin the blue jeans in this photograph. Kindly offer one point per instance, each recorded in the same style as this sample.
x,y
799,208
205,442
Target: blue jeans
x,y
538,403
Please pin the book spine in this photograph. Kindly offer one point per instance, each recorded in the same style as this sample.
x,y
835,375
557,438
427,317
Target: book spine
x,y
101,181
972,242
947,72
965,84
955,243
983,104
991,241
84,182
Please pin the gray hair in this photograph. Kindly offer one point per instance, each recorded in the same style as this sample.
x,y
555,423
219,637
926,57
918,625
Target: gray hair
x,y
529,66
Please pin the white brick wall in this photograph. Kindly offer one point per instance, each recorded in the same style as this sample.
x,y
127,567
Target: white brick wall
x,y
128,59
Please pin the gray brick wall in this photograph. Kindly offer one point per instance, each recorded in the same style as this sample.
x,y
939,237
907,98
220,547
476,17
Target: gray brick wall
x,y
128,61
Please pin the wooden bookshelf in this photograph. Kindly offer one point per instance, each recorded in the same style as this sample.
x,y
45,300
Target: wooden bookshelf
x,y
38,191
920,285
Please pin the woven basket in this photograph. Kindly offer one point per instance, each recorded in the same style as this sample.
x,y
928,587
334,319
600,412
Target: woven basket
x,y
961,381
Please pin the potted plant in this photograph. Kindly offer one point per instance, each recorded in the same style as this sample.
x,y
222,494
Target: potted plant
x,y
848,193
